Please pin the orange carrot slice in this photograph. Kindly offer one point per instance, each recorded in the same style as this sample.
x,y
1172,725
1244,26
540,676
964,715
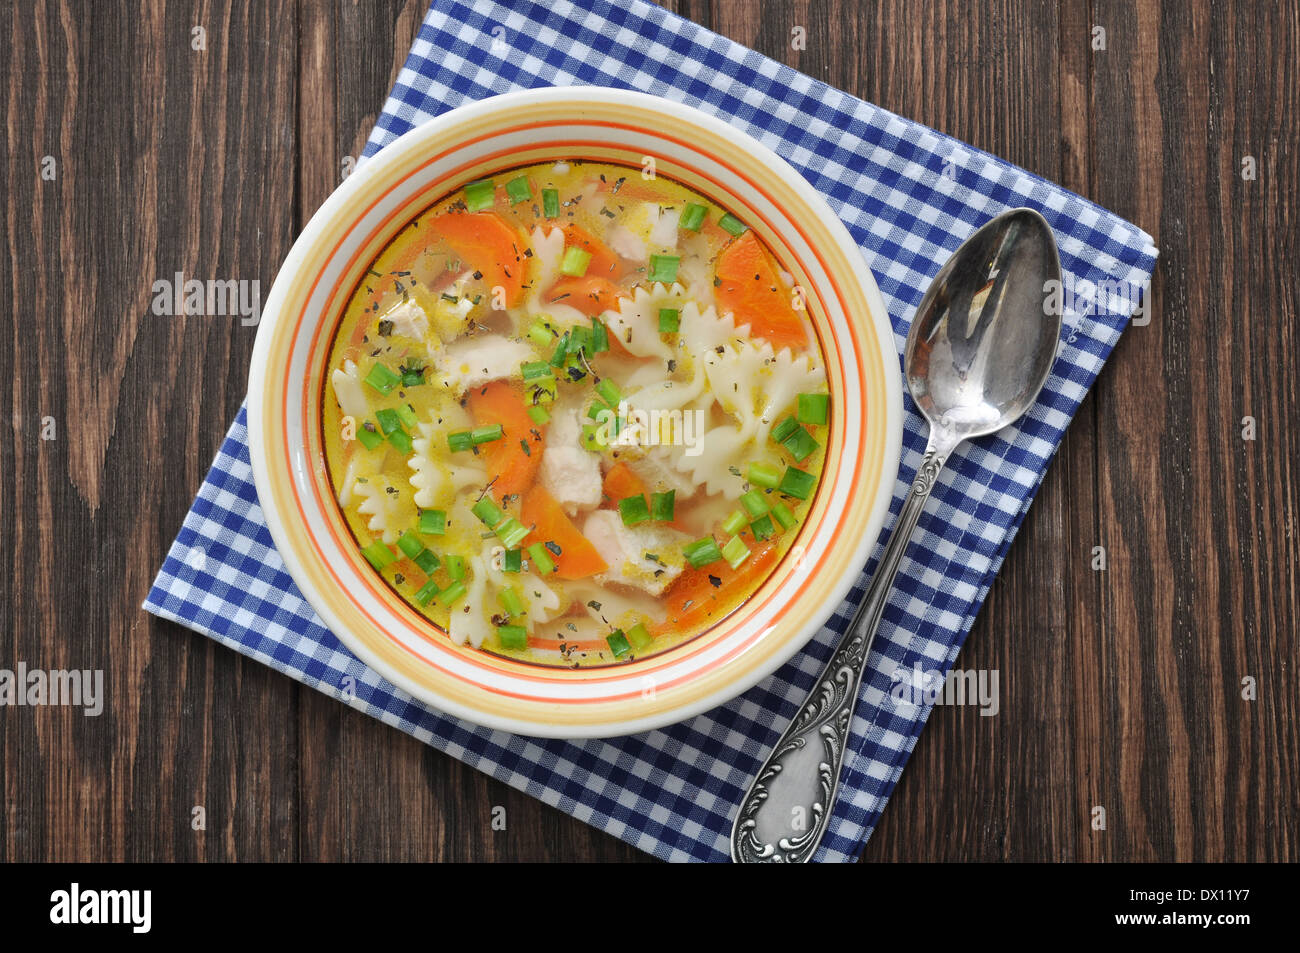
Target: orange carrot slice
x,y
620,483
486,243
514,467
589,294
693,599
750,289
577,558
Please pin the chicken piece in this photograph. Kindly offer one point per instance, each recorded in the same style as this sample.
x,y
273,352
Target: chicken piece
x,y
628,551
572,476
409,319
568,472
470,362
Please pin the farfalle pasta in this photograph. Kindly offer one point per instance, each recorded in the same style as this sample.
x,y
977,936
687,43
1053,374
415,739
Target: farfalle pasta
x,y
575,416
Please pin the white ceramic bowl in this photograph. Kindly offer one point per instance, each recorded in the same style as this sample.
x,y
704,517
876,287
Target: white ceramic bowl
x,y
476,141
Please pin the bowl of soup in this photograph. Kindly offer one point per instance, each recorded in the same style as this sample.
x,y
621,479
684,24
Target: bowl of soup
x,y
574,412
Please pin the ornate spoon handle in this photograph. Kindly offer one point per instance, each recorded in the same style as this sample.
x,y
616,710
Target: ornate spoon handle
x,y
785,812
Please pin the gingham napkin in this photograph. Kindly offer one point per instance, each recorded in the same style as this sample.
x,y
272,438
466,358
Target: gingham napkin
x,y
909,196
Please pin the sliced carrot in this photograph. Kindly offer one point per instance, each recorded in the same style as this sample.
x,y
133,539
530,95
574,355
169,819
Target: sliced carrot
x,y
589,294
693,599
577,558
604,263
620,483
515,468
749,288
490,246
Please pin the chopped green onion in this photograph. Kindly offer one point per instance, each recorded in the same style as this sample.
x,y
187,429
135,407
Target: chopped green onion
x,y
784,516
702,552
763,528
801,444
540,334
388,420
413,377
732,225
532,370
401,440
593,411
579,340
407,415
410,544
382,379
427,561
512,561
735,522
797,483
639,636
486,434
735,552
513,636
670,320
487,510
754,504
561,349
663,506
426,592
784,429
551,202
539,414
542,560
692,217
510,601
618,643
433,522
663,268
369,438
452,593
599,336
480,195
633,510
814,408
575,262
591,438
379,555
456,567
764,474
511,532
459,441
609,392
518,190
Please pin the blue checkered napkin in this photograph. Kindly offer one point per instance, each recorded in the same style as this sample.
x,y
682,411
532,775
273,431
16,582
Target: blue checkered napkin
x,y
909,196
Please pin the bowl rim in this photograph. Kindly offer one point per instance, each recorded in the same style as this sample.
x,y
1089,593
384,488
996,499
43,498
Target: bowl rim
x,y
327,220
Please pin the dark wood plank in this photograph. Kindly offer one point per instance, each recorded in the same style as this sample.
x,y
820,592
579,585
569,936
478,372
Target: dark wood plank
x,y
1202,592
162,169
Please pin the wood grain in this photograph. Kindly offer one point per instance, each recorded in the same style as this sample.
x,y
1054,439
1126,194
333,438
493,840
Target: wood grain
x,y
1120,689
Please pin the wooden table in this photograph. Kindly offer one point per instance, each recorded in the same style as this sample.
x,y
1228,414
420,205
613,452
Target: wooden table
x,y
1121,688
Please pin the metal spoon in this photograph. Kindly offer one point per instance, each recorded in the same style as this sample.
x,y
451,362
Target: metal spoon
x,y
980,349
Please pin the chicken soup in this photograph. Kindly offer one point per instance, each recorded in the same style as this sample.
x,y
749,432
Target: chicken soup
x,y
574,416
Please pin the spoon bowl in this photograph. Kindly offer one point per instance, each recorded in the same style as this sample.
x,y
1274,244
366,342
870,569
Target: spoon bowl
x,y
983,339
